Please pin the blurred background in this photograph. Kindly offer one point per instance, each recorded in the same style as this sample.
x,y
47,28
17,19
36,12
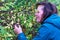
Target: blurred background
x,y
20,11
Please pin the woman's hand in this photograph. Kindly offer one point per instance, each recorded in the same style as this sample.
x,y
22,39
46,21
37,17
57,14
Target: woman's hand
x,y
17,30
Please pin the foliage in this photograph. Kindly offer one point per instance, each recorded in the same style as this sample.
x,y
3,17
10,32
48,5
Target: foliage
x,y
19,11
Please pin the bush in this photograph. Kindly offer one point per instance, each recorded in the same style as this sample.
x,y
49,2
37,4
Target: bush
x,y
19,11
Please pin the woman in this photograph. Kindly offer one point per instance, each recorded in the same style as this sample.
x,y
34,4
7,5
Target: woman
x,y
50,23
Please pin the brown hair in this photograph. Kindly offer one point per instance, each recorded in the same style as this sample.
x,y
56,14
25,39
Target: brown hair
x,y
49,9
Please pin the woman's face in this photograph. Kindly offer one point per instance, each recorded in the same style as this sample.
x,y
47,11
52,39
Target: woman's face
x,y
39,13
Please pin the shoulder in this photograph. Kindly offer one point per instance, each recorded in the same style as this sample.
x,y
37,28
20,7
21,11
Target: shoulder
x,y
45,28
44,31
48,26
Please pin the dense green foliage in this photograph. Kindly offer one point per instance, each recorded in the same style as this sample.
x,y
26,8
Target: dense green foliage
x,y
19,11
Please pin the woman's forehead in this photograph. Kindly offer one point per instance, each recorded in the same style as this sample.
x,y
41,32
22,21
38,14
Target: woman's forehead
x,y
40,7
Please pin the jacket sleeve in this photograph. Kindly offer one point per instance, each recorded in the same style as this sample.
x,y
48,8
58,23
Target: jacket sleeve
x,y
21,36
41,35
